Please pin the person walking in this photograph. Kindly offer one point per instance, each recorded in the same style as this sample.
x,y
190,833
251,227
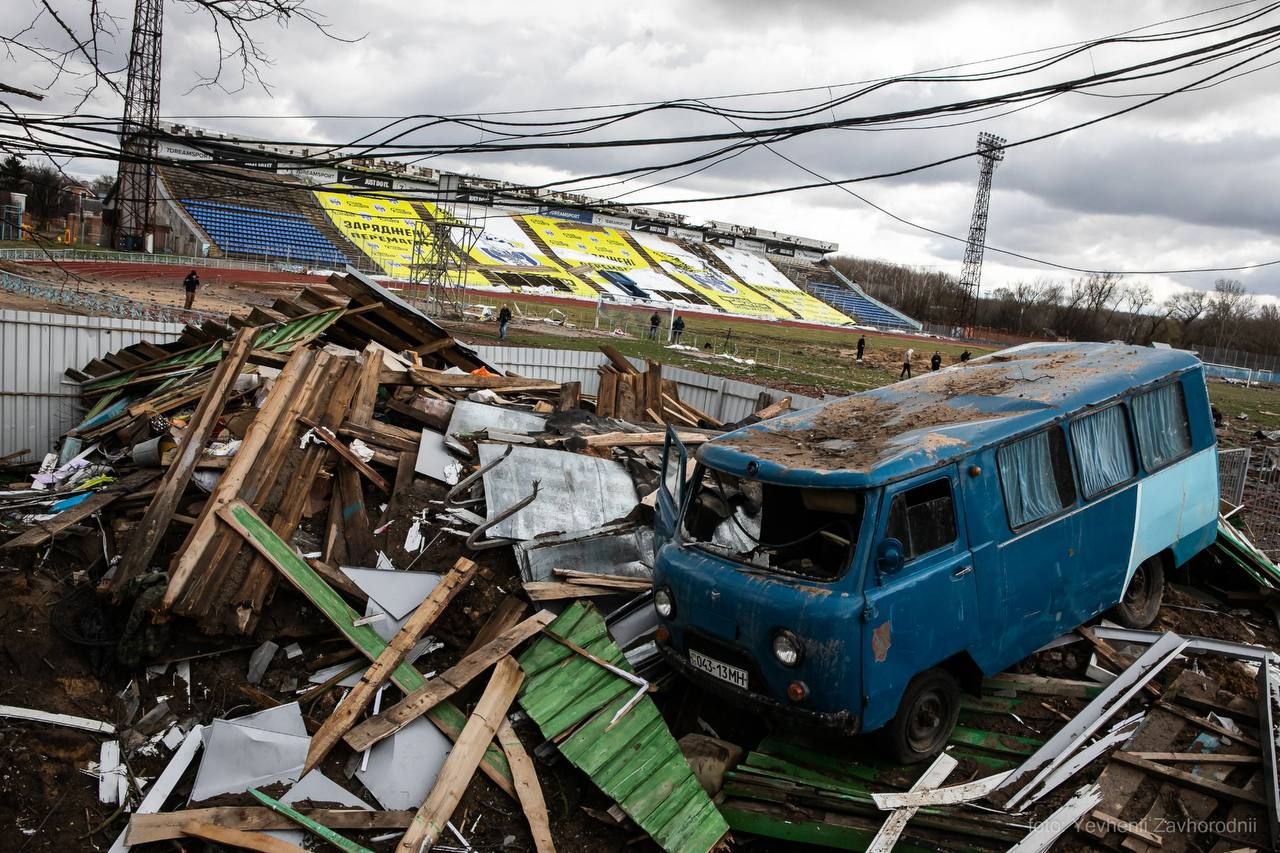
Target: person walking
x,y
906,364
935,362
654,322
677,329
504,320
190,284
862,346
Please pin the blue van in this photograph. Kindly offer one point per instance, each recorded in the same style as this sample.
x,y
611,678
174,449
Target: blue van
x,y
858,563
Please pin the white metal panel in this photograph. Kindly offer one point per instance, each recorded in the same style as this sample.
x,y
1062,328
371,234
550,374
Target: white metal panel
x,y
37,402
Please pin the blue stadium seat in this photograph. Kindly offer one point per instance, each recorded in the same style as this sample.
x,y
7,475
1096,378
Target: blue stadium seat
x,y
857,306
252,231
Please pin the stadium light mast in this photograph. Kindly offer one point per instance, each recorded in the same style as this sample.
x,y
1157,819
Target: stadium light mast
x,y
990,152
136,179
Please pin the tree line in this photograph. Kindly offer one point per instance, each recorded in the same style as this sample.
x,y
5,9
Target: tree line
x,y
1099,307
45,188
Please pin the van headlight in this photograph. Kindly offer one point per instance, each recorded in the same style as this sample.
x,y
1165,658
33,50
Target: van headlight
x,y
664,603
786,648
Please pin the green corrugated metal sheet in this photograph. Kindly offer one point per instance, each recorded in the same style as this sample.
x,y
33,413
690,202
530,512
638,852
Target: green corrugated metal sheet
x,y
637,762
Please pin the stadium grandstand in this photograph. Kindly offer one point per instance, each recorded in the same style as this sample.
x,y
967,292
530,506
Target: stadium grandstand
x,y
381,217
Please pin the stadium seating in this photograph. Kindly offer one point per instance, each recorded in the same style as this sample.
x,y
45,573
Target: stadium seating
x,y
257,232
857,305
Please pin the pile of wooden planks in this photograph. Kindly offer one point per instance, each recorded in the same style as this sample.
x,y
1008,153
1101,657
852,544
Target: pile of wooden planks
x,y
629,395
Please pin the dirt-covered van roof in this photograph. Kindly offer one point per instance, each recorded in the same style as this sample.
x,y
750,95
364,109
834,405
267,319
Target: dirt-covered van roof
x,y
890,432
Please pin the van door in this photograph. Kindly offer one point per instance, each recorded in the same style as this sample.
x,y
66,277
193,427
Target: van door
x,y
671,490
921,609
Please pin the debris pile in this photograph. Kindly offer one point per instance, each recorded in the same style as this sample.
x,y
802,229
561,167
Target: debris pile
x,y
344,582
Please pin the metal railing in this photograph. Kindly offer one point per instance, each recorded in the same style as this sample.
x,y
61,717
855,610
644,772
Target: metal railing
x,y
1233,470
100,304
143,258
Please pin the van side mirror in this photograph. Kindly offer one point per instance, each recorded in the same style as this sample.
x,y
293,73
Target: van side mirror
x,y
889,556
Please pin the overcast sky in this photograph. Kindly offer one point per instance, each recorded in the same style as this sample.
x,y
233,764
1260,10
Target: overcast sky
x,y
1189,182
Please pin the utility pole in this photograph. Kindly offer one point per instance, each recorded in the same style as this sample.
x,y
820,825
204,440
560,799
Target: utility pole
x,y
136,183
990,152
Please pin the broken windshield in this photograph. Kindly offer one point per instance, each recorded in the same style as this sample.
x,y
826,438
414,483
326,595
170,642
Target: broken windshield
x,y
787,529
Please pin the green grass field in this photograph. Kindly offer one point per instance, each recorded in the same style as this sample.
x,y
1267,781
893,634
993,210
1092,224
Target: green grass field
x,y
802,360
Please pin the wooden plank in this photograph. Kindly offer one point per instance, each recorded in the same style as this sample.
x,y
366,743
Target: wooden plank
x,y
189,557
1113,657
384,435
774,409
628,404
1197,757
444,685
44,531
642,439
556,591
469,381
310,825
1207,725
427,411
146,536
163,826
570,397
653,389
623,582
367,387
446,717
238,838
1126,827
505,616
327,435
528,789
418,623
460,766
607,395
1189,780
356,529
618,360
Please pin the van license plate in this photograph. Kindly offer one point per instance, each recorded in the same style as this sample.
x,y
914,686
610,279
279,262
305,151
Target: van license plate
x,y
722,671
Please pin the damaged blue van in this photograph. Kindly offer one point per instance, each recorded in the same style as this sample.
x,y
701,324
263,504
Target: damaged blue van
x,y
857,564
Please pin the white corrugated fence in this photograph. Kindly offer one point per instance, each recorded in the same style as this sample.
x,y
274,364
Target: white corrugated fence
x,y
37,402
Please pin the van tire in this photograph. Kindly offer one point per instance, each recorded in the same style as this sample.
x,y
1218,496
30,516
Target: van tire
x,y
1141,603
926,717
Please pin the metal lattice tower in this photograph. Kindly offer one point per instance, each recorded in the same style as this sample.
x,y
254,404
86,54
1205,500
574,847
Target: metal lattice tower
x,y
442,252
990,152
136,185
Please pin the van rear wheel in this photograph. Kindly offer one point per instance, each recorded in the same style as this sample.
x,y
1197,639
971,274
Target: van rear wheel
x,y
1141,603
926,717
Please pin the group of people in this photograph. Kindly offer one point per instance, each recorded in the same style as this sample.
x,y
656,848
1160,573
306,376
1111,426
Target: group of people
x,y
935,361
655,322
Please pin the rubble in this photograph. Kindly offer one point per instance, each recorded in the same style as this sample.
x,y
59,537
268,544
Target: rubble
x,y
462,648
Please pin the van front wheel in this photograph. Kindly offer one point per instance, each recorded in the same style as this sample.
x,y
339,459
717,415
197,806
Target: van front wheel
x,y
926,717
1141,602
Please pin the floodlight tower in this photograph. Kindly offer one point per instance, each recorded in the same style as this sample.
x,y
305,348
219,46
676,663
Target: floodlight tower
x,y
990,152
136,179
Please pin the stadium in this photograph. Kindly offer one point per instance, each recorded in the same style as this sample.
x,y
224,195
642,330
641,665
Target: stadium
x,y
219,199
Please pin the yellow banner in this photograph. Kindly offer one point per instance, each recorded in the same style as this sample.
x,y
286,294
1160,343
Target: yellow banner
x,y
806,306
700,276
382,228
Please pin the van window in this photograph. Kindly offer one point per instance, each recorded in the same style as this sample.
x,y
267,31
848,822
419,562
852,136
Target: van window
x,y
1103,451
798,531
923,519
1160,417
1035,473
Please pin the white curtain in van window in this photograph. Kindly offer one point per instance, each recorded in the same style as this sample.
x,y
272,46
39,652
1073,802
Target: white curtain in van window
x,y
1026,471
1102,448
1161,419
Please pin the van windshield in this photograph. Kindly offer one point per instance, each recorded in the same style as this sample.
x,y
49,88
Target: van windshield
x,y
807,532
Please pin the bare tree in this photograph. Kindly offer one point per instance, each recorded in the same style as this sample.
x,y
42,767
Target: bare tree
x,y
80,41
1136,297
1230,303
1186,307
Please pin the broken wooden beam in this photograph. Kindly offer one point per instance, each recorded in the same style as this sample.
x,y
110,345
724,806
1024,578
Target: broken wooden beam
x,y
444,685
328,437
155,521
360,697
1189,780
258,841
460,766
164,826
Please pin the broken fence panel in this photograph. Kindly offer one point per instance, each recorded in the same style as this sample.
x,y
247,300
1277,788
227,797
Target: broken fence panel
x,y
1049,830
954,795
1059,748
934,776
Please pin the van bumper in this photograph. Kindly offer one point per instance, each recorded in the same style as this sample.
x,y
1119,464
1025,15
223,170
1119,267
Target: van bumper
x,y
840,722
